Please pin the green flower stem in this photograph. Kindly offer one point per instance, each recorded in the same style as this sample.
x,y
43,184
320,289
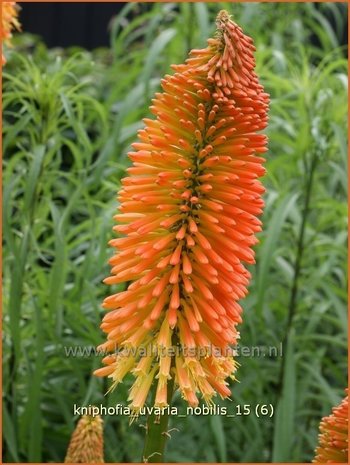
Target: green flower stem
x,y
157,431
293,301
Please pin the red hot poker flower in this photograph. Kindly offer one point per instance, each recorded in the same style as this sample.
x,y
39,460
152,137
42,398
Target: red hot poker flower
x,y
9,11
86,444
188,213
333,438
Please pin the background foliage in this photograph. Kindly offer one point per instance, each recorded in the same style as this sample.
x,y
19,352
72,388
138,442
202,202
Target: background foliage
x,y
69,118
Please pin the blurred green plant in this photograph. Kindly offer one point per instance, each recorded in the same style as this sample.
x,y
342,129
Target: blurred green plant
x,y
69,117
53,127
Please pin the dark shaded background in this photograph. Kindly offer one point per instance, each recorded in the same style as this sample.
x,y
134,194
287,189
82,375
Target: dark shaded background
x,y
85,24
67,24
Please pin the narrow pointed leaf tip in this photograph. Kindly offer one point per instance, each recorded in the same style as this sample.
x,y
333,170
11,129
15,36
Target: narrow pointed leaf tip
x,y
187,219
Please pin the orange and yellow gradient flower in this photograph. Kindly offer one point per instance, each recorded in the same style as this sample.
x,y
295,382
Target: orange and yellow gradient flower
x,y
188,215
86,444
9,21
333,438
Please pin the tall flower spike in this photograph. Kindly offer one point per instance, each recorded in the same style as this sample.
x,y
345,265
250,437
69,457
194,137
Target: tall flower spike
x,y
188,213
333,438
86,444
9,11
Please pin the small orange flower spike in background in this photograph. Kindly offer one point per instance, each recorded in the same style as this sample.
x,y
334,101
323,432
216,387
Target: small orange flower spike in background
x,y
333,438
9,21
86,444
188,215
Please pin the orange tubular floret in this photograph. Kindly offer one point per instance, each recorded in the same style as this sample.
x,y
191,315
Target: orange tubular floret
x,y
333,438
188,213
9,22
